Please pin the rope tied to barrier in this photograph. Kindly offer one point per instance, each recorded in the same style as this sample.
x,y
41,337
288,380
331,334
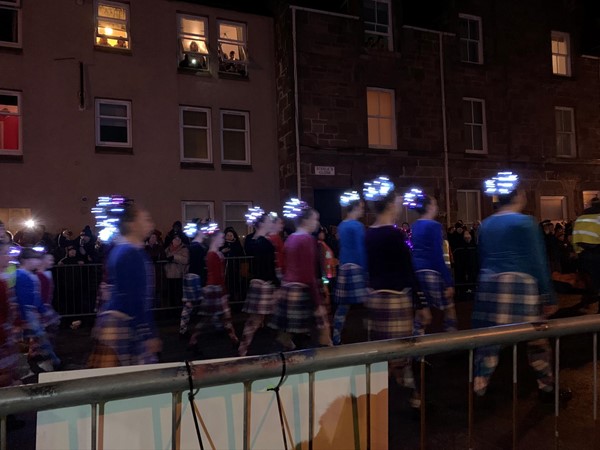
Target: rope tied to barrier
x,y
278,396
191,398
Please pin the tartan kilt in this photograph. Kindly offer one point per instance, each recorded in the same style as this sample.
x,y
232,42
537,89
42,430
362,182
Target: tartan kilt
x,y
390,314
432,285
116,343
504,298
295,311
260,298
214,301
351,288
192,288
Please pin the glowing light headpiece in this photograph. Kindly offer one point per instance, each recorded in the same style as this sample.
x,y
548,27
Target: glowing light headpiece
x,y
210,228
293,207
377,189
108,212
502,184
190,229
253,214
413,199
349,197
273,215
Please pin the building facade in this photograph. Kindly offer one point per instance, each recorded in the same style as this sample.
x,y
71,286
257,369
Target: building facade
x,y
440,95
169,102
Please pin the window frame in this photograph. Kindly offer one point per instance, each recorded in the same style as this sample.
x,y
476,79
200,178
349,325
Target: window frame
x,y
127,103
466,192
563,205
248,160
390,33
115,4
479,21
181,35
572,134
14,6
19,150
248,204
483,125
244,44
208,128
210,204
567,37
394,145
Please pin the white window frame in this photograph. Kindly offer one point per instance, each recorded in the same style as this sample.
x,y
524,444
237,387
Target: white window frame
x,y
389,34
127,22
394,144
467,192
246,115
185,203
567,56
472,124
208,129
18,151
563,205
239,203
16,6
587,196
126,103
243,43
572,134
479,42
182,35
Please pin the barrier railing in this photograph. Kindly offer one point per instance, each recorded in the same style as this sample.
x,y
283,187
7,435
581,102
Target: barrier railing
x,y
99,390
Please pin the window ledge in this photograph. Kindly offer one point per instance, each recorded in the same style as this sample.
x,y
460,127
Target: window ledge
x,y
107,149
233,76
240,167
11,50
476,154
11,158
196,72
118,51
196,165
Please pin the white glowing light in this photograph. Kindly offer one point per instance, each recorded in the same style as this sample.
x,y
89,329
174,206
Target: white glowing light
x,y
293,207
108,31
273,215
107,212
30,223
253,214
413,198
502,184
348,197
377,189
190,229
210,228
39,249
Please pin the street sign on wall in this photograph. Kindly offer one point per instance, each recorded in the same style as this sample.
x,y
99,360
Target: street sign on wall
x,y
324,170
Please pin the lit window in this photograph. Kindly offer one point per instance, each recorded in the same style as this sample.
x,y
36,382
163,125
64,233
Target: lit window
x,y
234,216
10,123
195,139
377,19
475,127
112,25
565,132
192,41
469,210
233,53
235,137
561,58
381,118
471,40
113,123
588,196
553,207
197,210
10,23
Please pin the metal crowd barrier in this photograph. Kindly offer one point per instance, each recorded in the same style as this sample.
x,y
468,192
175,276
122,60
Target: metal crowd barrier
x,y
97,391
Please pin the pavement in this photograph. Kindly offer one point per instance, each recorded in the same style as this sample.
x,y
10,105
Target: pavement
x,y
446,388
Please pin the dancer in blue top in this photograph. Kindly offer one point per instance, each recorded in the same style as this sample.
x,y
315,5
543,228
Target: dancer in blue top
x,y
428,258
351,286
514,281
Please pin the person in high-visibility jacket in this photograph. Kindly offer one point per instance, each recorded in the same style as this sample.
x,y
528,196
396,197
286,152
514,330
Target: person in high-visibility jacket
x,y
586,242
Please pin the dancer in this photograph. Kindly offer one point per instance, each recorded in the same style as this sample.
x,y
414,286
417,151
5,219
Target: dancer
x,y
428,259
351,288
192,280
9,353
300,306
260,298
514,281
124,333
275,237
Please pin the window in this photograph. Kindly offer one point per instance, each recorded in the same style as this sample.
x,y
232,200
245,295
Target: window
x,y
112,25
475,128
14,218
195,141
113,123
553,207
192,42
469,210
234,216
377,18
471,39
10,23
197,210
565,132
233,53
588,196
561,54
235,137
381,118
10,123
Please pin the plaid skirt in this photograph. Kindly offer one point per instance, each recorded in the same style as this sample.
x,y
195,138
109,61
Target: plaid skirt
x,y
432,285
390,314
116,343
504,298
351,288
192,288
214,301
295,311
260,298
